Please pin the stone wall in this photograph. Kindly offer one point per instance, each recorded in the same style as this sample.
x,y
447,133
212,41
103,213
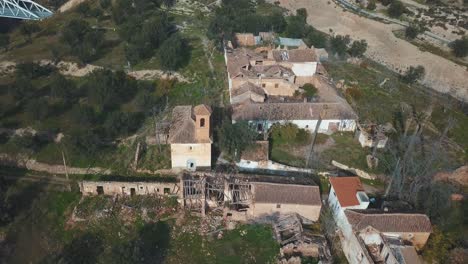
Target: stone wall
x,y
129,188
358,172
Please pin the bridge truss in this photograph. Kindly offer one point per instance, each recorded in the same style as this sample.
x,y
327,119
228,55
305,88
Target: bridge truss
x,y
23,9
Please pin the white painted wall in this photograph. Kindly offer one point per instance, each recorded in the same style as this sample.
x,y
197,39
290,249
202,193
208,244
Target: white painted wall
x,y
182,153
344,125
304,69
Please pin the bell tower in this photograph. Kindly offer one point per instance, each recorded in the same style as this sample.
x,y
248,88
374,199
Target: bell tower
x,y
202,122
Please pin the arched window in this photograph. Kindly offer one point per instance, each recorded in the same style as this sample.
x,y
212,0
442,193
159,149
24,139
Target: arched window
x,y
202,122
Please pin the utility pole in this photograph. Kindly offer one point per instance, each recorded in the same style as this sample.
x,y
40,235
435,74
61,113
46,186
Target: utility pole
x,y
156,129
312,144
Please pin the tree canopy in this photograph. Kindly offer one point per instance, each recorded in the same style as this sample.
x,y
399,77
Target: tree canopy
x,y
174,52
460,47
234,138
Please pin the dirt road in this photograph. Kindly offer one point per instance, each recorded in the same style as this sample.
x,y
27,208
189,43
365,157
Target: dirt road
x,y
441,74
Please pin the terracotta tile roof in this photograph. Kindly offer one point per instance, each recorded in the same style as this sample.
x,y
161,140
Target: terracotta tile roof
x,y
292,111
286,194
238,58
389,222
182,128
295,55
247,87
202,110
346,189
256,152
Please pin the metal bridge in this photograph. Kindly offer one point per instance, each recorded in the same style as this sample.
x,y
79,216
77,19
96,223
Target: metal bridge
x,y
23,9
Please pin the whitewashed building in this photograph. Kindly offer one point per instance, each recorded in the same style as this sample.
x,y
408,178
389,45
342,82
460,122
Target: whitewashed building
x,y
190,138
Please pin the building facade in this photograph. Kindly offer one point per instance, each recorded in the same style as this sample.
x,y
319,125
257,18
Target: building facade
x,y
190,137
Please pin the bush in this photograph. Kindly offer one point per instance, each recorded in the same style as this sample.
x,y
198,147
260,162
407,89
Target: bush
x,y
28,28
84,8
26,141
358,48
32,70
61,88
412,31
21,89
396,9
414,74
371,5
284,133
37,109
106,89
119,123
83,115
235,138
174,53
4,41
460,47
289,133
309,90
339,44
315,38
354,93
105,3
84,42
386,2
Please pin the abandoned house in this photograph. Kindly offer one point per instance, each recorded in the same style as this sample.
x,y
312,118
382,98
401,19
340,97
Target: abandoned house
x,y
329,117
378,248
272,198
265,88
370,236
245,199
128,188
190,138
278,72
265,38
412,228
372,135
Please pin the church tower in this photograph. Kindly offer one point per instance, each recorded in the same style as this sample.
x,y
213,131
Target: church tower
x,y
202,122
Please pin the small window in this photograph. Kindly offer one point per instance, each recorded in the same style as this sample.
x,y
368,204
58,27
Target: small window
x,y
132,191
190,147
100,190
167,190
263,85
202,122
276,85
278,206
141,187
307,126
157,189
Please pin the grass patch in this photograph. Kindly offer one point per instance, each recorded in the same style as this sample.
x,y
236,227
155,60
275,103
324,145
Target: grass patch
x,y
347,151
382,104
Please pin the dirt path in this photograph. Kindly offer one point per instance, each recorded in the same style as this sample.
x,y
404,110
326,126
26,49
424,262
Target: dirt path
x,y
441,74
73,69
69,5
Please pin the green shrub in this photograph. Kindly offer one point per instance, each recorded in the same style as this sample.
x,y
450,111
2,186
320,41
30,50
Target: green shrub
x,y
396,9
460,47
309,90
